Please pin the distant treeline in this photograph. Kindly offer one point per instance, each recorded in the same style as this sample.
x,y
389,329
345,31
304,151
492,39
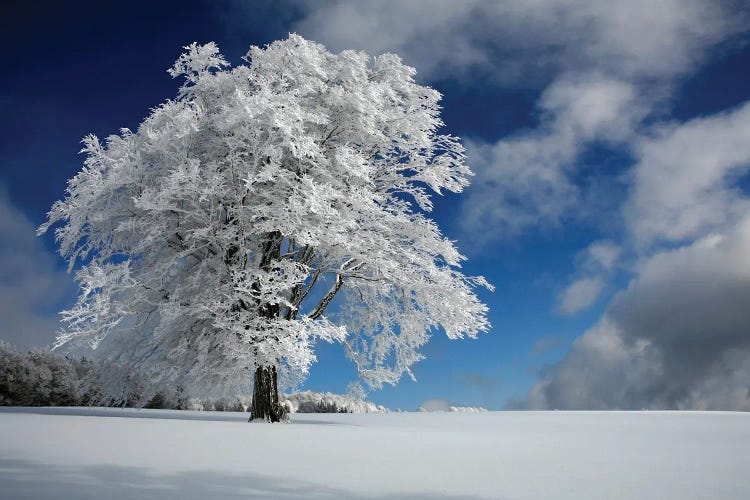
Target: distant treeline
x,y
42,378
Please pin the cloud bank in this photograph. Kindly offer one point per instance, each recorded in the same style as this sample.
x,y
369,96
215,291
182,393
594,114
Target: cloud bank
x,y
679,335
677,338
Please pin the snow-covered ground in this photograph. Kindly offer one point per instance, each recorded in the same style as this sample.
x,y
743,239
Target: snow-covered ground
x,y
110,454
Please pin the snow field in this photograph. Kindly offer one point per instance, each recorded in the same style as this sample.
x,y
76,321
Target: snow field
x,y
111,453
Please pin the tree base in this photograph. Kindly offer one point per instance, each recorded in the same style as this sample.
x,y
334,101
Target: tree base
x,y
265,403
279,414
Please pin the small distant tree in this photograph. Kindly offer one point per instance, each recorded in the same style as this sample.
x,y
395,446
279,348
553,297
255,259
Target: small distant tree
x,y
265,208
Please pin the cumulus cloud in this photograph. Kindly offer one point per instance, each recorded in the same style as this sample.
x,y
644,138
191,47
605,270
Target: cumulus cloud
x,y
611,64
600,372
32,288
678,337
528,179
686,178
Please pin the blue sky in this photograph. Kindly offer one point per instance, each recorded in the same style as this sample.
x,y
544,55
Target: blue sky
x,y
610,208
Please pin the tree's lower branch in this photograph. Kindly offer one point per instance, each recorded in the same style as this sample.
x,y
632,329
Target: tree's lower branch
x,y
327,298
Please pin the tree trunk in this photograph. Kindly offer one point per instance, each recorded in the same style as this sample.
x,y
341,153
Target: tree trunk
x,y
265,403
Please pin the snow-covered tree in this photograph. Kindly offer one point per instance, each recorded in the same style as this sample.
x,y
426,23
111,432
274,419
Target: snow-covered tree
x,y
212,242
40,378
325,402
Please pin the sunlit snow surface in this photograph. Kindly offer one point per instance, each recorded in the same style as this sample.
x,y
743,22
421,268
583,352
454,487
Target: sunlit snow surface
x,y
107,454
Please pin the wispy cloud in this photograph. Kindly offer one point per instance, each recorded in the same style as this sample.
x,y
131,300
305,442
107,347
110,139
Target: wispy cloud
x,y
580,294
546,344
594,267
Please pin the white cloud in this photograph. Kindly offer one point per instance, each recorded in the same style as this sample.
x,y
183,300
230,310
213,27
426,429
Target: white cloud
x,y
427,34
595,265
677,337
580,295
515,40
606,65
601,372
685,179
527,179
602,256
32,289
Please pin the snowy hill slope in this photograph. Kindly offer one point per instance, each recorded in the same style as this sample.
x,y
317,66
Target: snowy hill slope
x,y
96,453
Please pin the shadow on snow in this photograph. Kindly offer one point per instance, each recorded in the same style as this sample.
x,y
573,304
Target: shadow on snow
x,y
21,479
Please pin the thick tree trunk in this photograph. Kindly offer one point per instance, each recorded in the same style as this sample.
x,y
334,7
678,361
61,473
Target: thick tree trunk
x,y
265,403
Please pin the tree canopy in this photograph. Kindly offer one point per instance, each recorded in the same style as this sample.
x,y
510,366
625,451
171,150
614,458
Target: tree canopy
x,y
267,207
